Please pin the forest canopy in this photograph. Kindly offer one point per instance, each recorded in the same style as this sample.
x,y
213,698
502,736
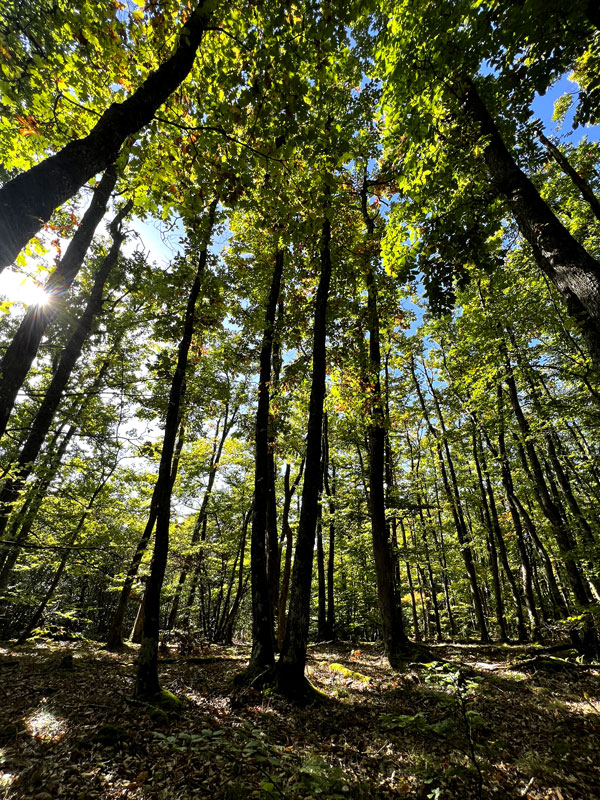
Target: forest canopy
x,y
352,393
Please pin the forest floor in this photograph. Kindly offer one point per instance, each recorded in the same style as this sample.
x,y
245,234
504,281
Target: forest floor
x,y
478,727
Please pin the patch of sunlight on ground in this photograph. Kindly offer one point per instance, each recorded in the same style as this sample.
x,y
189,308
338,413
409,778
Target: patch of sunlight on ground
x,y
6,778
43,724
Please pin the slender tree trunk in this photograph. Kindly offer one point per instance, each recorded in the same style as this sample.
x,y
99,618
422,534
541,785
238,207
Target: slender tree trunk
x,y
453,498
115,634
263,655
290,667
147,682
568,265
22,522
526,567
224,629
27,201
21,352
286,531
321,592
33,622
21,527
395,639
543,496
411,586
442,559
54,393
199,532
330,494
432,583
564,163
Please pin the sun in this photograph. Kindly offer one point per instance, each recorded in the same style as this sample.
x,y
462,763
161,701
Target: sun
x,y
15,288
32,294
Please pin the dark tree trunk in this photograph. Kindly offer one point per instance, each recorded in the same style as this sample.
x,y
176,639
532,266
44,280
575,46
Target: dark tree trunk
x,y
287,534
68,549
21,352
290,667
395,639
147,682
54,393
263,654
114,639
453,497
580,182
568,265
543,496
27,201
330,493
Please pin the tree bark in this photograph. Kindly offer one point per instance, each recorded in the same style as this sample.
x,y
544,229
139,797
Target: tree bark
x,y
290,667
564,163
54,393
263,654
21,352
114,639
27,201
147,682
395,639
568,265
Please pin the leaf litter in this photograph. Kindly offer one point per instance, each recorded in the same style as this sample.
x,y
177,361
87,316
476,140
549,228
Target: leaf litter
x,y
471,724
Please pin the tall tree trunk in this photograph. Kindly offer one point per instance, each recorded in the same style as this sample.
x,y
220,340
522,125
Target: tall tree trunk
x,y
21,352
114,639
263,654
27,201
568,265
37,615
579,181
453,497
395,640
330,489
543,496
290,667
147,682
287,534
54,393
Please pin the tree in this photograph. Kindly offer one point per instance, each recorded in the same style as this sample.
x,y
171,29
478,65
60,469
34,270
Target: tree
x,y
28,200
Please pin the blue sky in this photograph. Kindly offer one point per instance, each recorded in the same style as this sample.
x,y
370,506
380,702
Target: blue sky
x,y
543,108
